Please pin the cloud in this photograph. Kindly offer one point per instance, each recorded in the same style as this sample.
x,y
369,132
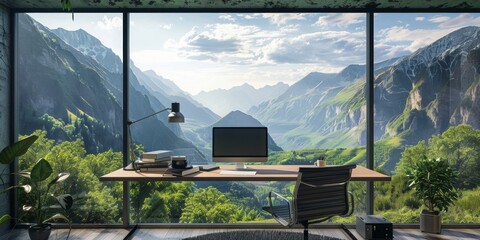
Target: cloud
x,y
282,18
340,19
462,20
332,48
439,19
419,18
166,26
400,40
227,17
110,23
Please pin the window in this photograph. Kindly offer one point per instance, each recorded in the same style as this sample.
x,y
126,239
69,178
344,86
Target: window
x,y
300,74
426,103
69,93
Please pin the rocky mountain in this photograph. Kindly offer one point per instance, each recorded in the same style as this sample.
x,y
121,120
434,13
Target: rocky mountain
x,y
291,110
58,80
415,96
90,46
433,88
238,98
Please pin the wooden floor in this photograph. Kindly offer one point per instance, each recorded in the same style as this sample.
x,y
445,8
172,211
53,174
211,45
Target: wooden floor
x,y
175,234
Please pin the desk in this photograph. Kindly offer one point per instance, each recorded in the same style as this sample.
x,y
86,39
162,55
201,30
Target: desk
x,y
264,173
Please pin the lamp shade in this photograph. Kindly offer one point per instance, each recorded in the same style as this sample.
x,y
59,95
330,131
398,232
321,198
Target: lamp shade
x,y
175,115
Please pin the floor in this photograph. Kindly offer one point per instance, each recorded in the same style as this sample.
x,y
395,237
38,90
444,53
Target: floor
x,y
176,233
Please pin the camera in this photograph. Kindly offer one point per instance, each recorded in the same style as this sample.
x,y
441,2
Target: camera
x,y
179,162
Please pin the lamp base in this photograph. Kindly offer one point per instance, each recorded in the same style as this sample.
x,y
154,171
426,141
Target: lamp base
x,y
129,167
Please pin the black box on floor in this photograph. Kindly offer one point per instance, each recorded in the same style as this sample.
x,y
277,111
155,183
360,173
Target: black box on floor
x,y
373,227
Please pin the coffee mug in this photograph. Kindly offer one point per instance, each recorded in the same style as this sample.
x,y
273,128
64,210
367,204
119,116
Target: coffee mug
x,y
179,163
320,163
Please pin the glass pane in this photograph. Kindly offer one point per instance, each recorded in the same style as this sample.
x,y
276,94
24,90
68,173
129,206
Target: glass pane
x,y
69,92
302,75
427,104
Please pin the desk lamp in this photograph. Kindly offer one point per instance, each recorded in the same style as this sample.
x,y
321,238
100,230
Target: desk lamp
x,y
175,116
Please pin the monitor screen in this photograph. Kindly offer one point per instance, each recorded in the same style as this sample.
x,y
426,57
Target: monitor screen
x,y
239,144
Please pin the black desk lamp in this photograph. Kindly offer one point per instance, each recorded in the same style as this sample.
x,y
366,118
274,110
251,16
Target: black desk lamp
x,y
175,116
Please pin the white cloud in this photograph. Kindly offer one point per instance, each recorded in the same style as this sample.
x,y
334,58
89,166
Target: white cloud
x,y
227,17
419,18
340,19
400,40
462,20
439,19
282,18
110,23
167,26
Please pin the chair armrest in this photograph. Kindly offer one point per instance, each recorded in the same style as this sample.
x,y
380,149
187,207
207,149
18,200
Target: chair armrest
x,y
282,212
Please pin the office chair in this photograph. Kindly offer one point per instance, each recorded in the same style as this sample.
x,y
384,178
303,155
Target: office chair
x,y
320,193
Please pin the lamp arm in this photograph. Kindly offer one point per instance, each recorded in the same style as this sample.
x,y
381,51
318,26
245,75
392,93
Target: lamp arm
x,y
153,114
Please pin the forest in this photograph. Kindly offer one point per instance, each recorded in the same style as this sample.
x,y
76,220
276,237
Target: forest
x,y
241,202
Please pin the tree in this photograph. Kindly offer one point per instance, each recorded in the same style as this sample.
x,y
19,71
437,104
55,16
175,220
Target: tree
x,y
208,205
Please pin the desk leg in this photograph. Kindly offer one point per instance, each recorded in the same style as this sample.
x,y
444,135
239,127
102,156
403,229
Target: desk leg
x,y
131,232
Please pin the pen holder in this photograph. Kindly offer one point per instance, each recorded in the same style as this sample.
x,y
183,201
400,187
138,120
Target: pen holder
x,y
320,163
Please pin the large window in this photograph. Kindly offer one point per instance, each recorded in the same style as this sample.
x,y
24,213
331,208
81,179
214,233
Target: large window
x,y
69,93
300,74
427,103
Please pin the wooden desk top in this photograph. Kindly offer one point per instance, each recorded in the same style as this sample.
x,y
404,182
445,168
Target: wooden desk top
x,y
264,173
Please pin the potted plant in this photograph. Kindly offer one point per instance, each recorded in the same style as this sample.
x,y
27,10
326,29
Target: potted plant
x,y
7,155
40,200
433,181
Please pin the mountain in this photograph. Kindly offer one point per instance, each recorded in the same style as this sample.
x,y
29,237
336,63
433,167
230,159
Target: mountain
x,y
166,92
291,109
90,46
238,98
233,119
433,88
415,96
58,80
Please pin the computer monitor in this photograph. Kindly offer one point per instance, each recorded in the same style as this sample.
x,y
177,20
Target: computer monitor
x,y
239,145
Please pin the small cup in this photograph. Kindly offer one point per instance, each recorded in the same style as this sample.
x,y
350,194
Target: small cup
x,y
320,163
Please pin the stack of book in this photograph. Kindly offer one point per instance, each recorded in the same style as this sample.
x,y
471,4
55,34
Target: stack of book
x,y
154,161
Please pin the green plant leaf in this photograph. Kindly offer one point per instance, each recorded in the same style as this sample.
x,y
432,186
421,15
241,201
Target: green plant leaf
x,y
4,219
9,153
66,201
56,216
41,171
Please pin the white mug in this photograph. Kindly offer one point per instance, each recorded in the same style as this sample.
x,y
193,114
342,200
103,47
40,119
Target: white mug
x,y
320,163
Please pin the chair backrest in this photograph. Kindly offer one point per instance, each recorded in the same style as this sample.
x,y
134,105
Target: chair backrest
x,y
321,192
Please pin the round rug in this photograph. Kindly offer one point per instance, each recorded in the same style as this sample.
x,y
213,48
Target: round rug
x,y
259,235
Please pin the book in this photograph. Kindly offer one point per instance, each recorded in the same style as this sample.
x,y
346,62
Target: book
x,y
157,154
182,172
156,159
153,169
163,164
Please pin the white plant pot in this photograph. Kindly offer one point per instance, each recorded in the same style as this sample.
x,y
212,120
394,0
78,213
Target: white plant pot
x,y
430,222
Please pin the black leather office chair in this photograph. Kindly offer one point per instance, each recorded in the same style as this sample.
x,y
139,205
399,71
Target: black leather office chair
x,y
320,193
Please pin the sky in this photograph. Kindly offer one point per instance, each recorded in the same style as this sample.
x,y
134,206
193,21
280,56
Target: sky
x,y
206,51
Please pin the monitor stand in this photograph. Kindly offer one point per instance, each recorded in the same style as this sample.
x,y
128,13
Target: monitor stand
x,y
240,166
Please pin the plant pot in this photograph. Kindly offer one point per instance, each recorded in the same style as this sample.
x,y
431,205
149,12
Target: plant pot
x,y
40,232
430,222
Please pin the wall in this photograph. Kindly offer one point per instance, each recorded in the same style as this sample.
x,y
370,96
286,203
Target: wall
x,y
4,101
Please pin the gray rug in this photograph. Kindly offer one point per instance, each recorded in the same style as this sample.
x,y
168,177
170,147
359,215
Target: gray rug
x,y
259,235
